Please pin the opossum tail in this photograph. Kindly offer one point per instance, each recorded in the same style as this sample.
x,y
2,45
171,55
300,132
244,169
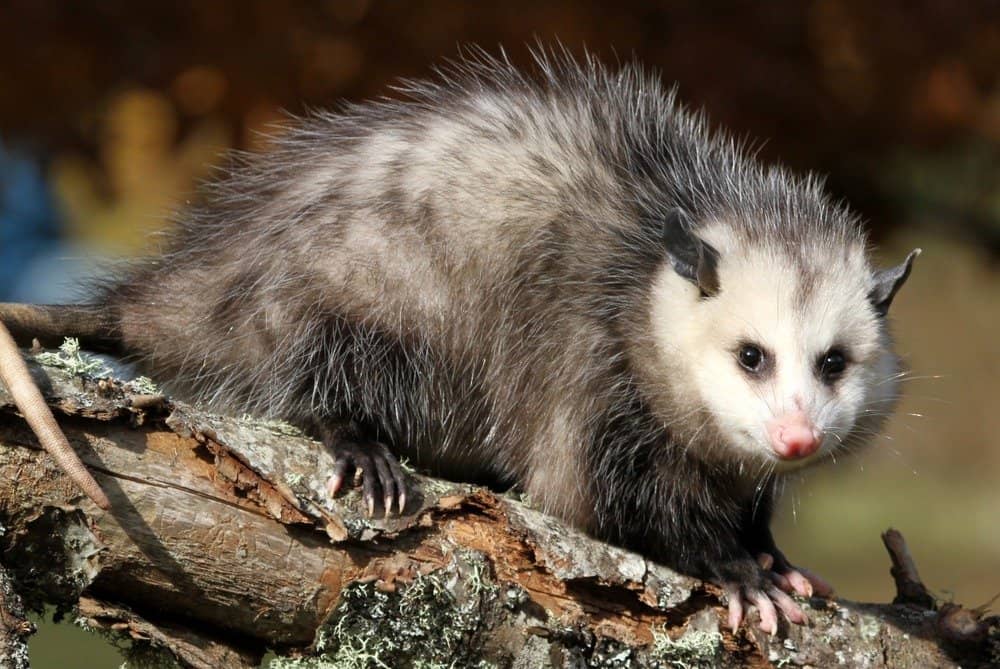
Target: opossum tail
x,y
49,325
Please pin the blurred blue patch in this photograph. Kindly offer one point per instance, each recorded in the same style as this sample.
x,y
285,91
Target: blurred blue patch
x,y
28,219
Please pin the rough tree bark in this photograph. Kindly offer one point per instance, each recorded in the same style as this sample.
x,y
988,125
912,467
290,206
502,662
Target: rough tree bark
x,y
220,544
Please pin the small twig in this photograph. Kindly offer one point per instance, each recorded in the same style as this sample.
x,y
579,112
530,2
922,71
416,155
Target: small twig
x,y
147,402
909,588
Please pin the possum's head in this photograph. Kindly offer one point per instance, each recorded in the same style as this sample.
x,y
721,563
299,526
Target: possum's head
x,y
778,345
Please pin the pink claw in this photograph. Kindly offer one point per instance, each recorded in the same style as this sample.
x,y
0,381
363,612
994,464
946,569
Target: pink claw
x,y
787,605
768,614
735,608
799,583
333,484
820,587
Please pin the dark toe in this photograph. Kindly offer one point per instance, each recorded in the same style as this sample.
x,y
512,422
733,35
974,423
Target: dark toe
x,y
399,477
370,489
386,482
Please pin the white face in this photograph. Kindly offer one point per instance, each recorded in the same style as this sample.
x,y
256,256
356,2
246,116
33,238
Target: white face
x,y
787,375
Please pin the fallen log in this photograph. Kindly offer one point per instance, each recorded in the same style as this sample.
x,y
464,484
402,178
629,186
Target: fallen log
x,y
220,545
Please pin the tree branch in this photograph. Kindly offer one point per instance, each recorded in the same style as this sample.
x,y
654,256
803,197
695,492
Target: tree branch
x,y
14,626
220,544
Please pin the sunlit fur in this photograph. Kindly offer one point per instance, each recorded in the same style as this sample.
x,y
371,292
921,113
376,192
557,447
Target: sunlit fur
x,y
477,276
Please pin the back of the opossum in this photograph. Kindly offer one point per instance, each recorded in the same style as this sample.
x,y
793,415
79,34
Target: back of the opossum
x,y
440,270
414,267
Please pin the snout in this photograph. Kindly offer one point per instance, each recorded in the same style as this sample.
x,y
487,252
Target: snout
x,y
794,436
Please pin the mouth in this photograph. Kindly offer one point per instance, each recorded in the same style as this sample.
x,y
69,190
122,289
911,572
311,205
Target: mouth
x,y
790,464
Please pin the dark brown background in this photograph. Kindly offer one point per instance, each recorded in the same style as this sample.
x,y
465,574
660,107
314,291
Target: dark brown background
x,y
832,86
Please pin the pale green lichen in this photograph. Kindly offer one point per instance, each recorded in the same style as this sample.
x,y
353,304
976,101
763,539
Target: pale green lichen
x,y
143,385
869,627
692,650
272,424
430,623
478,577
73,360
437,487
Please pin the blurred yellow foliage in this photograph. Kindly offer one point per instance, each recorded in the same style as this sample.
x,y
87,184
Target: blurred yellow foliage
x,y
144,169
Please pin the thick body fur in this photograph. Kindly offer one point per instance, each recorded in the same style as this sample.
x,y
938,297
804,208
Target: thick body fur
x,y
481,277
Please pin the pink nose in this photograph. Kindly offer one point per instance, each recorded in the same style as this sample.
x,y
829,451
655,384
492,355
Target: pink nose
x,y
793,436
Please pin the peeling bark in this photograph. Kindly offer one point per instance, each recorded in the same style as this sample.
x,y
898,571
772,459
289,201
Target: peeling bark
x,y
220,544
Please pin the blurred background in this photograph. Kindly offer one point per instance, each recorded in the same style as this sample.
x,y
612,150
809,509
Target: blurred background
x,y
111,112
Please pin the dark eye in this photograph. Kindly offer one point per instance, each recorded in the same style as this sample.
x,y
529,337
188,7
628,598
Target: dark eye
x,y
832,364
751,357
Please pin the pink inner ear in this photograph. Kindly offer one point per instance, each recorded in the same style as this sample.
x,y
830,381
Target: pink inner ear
x,y
793,435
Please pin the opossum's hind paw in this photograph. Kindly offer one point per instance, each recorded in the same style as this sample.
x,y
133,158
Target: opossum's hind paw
x,y
747,582
382,478
768,601
794,580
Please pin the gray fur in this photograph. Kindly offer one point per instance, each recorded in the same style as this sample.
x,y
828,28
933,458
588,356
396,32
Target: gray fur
x,y
467,276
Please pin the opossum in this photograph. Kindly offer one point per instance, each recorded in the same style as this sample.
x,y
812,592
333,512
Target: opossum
x,y
561,281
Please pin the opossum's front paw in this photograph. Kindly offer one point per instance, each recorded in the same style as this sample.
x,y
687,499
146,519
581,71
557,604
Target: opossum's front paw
x,y
377,468
793,579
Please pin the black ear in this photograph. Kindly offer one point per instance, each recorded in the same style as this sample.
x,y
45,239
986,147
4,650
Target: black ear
x,y
692,258
888,282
